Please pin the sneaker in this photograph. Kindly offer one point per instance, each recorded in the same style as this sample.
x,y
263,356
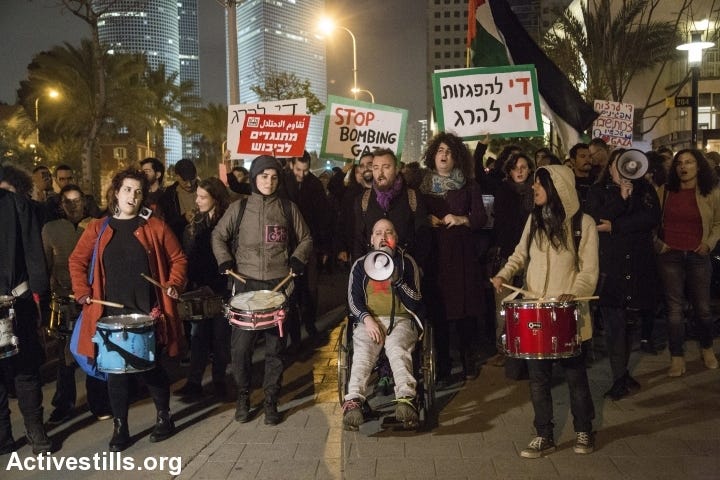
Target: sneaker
x,y
406,412
538,447
584,443
353,414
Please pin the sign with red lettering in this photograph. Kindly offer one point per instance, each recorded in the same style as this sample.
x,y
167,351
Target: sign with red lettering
x,y
502,101
276,135
354,128
615,123
236,119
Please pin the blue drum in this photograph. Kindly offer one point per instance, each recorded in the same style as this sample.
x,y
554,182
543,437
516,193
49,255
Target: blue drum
x,y
126,343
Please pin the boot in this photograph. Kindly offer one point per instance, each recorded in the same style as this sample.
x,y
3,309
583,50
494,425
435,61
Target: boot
x,y
39,440
272,416
164,427
709,358
470,366
121,436
242,409
677,366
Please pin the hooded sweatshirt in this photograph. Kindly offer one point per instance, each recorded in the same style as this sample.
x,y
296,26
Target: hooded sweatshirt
x,y
551,272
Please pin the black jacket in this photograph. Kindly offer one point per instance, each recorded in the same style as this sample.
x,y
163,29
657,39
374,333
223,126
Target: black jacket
x,y
314,206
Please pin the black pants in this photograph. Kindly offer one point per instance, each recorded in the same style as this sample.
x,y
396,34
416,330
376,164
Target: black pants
x,y
242,346
209,335
618,339
465,329
156,380
581,404
22,369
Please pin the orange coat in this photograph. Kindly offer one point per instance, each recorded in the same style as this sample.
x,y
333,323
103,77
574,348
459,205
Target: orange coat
x,y
168,265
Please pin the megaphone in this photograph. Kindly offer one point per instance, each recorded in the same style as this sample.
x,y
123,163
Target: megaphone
x,y
379,265
632,164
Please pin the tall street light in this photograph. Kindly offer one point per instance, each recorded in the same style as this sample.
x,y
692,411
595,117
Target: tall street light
x,y
694,48
327,26
361,90
52,93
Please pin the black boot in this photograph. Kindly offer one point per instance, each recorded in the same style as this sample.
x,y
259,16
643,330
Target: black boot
x,y
272,416
242,409
121,435
164,427
39,440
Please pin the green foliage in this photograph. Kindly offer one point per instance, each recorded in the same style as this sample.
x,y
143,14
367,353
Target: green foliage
x,y
276,85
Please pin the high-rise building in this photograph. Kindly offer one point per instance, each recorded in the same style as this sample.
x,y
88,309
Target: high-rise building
x,y
280,36
166,32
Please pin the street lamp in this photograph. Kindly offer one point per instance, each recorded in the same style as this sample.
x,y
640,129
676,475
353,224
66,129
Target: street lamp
x,y
327,26
52,93
694,48
358,90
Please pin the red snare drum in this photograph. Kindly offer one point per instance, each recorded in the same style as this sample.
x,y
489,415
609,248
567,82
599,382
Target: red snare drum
x,y
541,329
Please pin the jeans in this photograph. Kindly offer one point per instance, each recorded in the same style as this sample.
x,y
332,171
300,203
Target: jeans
x,y
209,335
681,272
618,339
399,346
581,403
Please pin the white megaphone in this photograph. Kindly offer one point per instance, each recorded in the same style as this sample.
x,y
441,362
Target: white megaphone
x,y
379,264
632,164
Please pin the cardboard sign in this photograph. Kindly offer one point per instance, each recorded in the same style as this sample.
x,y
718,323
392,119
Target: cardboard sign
x,y
236,118
615,123
276,135
354,128
503,101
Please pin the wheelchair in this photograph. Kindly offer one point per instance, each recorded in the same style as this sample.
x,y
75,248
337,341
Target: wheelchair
x,y
424,365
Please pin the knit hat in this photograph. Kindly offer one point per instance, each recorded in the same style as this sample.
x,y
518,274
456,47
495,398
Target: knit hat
x,y
262,163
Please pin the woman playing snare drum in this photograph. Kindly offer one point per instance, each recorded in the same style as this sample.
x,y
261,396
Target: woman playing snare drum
x,y
553,270
132,243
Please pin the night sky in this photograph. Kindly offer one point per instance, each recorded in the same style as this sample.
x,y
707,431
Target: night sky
x,y
390,47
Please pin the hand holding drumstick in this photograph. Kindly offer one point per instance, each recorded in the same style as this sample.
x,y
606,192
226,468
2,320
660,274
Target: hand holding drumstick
x,y
169,291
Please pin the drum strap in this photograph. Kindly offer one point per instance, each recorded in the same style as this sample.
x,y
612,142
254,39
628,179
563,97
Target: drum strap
x,y
130,358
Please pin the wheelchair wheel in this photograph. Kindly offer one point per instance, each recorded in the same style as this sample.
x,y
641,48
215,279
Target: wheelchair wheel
x,y
344,347
428,408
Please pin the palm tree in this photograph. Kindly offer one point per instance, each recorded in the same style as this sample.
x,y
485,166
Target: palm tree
x,y
210,123
603,49
168,99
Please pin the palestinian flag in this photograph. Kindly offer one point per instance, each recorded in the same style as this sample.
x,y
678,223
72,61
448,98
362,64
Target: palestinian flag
x,y
496,37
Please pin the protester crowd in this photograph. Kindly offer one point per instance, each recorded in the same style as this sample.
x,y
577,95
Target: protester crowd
x,y
204,268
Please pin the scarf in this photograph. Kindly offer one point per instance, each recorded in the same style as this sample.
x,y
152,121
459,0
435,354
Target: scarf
x,y
385,197
525,192
434,184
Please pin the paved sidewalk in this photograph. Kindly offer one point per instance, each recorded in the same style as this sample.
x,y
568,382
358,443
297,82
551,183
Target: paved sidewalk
x,y
669,430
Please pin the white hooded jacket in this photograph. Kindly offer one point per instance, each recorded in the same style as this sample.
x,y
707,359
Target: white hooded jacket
x,y
552,272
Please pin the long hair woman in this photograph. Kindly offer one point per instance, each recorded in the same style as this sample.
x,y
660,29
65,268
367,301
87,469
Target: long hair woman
x,y
212,334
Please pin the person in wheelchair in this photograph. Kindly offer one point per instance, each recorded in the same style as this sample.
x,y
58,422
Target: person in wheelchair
x,y
384,312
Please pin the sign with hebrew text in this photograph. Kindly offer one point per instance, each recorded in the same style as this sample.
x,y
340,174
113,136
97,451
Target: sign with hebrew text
x,y
615,123
236,119
502,101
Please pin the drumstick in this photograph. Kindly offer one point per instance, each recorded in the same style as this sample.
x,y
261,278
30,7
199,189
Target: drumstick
x,y
520,290
285,280
152,280
585,299
235,275
101,302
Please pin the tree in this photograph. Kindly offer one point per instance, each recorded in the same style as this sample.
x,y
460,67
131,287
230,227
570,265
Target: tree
x,y
611,42
210,123
275,85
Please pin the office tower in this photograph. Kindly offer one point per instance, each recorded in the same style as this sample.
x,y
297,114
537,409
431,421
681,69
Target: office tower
x,y
281,36
166,32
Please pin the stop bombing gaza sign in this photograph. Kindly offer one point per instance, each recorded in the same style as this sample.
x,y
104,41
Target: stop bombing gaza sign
x,y
503,101
354,128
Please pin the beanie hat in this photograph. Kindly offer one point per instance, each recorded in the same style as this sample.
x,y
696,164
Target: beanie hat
x,y
262,163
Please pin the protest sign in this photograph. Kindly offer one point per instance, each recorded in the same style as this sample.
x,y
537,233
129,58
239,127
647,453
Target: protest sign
x,y
615,123
353,128
276,135
502,101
